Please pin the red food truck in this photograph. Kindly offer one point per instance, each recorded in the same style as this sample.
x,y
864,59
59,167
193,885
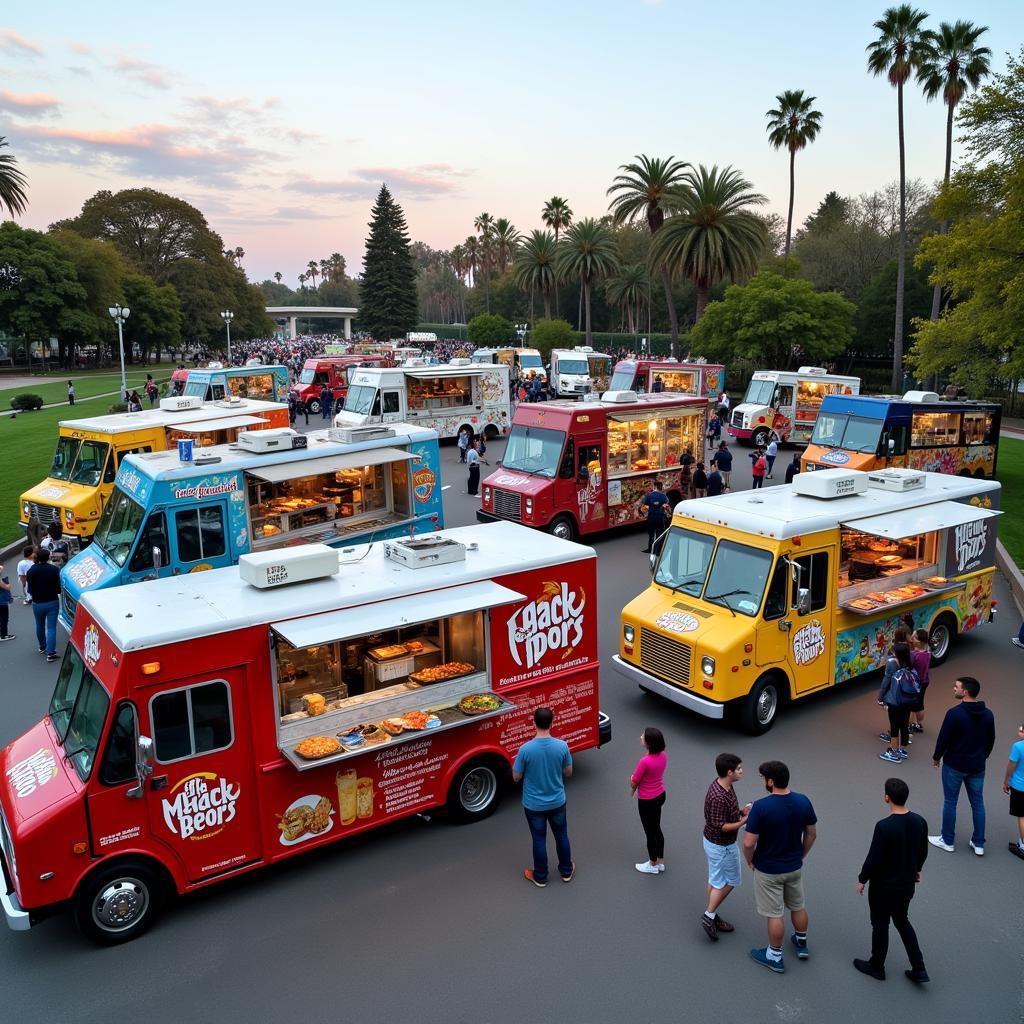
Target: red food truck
x,y
201,728
574,468
332,371
704,379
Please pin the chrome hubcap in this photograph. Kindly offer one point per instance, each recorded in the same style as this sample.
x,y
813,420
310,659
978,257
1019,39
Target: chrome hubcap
x,y
562,531
121,904
939,641
478,789
766,705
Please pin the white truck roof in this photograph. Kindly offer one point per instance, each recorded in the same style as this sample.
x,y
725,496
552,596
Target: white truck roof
x,y
805,372
180,608
126,422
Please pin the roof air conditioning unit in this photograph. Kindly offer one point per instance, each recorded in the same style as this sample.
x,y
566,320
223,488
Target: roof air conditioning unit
x,y
619,397
354,435
278,439
181,403
897,479
830,483
812,369
419,552
920,396
230,402
415,361
266,569
461,361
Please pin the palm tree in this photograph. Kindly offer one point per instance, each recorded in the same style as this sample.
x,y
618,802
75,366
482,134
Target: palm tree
x,y
793,124
556,215
484,224
472,248
302,282
506,239
715,233
534,267
628,290
312,269
897,53
952,64
277,276
336,263
13,183
588,252
239,255
642,191
325,270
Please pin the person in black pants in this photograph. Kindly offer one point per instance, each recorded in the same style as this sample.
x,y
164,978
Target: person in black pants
x,y
656,501
892,869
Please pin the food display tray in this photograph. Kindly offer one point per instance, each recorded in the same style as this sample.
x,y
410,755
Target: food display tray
x,y
930,591
416,677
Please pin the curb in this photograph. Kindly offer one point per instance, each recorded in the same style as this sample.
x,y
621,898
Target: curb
x,y
1014,577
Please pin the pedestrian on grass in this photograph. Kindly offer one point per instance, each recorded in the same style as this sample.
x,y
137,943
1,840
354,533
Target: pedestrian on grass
x,y
793,468
963,745
770,454
921,656
134,402
722,461
44,586
474,460
542,765
648,783
891,871
6,600
656,502
758,468
28,559
71,392
700,481
722,821
1013,786
781,829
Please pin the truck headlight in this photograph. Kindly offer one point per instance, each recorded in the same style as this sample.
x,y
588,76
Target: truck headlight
x,y
487,494
69,515
628,633
707,665
529,506
25,509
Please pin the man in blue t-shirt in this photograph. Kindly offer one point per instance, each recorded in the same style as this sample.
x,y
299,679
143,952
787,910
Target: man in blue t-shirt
x,y
781,830
657,504
542,765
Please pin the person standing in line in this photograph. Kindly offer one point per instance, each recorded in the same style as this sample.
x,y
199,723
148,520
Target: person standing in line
x,y
1013,786
659,385
723,405
901,690
326,402
722,821
71,392
770,454
293,408
648,783
6,600
793,468
44,586
758,468
891,871
463,443
542,765
700,481
715,484
656,501
781,829
714,430
963,745
722,461
921,656
27,561
474,460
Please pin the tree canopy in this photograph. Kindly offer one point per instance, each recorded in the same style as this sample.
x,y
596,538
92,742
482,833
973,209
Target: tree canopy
x,y
388,288
489,329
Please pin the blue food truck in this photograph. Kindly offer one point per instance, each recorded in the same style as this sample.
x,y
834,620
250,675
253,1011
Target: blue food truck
x,y
167,517
214,382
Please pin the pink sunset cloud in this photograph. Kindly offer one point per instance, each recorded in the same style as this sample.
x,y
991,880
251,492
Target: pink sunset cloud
x,y
16,43
36,103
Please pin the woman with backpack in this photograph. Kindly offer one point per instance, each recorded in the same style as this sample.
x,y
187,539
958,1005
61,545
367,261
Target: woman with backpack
x,y
921,656
901,690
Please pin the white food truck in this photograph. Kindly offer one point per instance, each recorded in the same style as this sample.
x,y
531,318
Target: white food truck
x,y
579,371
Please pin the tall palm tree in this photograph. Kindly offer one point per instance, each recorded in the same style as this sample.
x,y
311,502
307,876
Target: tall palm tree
x,y
336,262
484,224
897,53
13,183
472,247
534,266
952,64
239,255
628,289
277,276
588,252
642,191
302,282
715,234
312,269
556,215
325,270
506,239
793,124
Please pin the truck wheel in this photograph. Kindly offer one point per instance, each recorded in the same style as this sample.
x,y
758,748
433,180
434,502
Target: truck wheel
x,y
941,636
757,712
759,439
490,432
563,528
118,903
476,791
313,406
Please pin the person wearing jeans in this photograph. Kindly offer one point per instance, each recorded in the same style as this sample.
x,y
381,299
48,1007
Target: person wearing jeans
x,y
44,585
964,743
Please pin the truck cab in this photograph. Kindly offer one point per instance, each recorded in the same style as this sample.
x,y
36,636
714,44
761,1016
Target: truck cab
x,y
332,372
579,371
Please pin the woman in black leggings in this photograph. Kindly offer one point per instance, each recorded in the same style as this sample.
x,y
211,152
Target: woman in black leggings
x,y
647,782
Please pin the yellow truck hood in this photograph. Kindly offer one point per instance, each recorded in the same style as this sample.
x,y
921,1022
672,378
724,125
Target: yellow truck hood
x,y
58,492
711,627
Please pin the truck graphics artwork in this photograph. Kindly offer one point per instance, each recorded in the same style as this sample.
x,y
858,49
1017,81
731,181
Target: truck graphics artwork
x,y
554,622
35,771
198,809
809,642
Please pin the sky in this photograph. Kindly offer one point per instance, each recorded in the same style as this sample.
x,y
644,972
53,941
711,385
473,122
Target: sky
x,y
280,123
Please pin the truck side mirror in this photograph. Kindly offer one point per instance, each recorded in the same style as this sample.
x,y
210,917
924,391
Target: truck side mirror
x,y
892,446
158,558
143,764
803,600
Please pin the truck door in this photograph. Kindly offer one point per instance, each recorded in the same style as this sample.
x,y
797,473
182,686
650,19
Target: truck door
x,y
391,405
200,538
153,534
811,613
591,483
201,799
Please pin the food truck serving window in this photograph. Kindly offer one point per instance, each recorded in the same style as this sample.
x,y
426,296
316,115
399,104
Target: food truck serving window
x,y
935,429
78,710
643,443
190,721
439,392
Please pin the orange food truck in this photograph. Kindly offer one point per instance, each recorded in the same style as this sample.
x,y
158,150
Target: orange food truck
x,y
204,727
575,468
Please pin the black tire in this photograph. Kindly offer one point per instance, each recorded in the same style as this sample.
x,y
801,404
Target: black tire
x,y
964,472
980,474
562,527
756,714
476,790
759,439
313,407
490,432
119,902
941,635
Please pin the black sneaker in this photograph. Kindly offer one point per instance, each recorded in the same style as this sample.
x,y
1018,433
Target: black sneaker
x,y
918,977
10,636
53,657
1017,850
865,967
42,650
709,927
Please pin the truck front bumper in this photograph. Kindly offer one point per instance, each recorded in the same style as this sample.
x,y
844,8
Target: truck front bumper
x,y
18,919
743,435
707,708
489,517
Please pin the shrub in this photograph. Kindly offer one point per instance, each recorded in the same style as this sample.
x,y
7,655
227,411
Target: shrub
x,y
490,329
548,334
26,401
118,407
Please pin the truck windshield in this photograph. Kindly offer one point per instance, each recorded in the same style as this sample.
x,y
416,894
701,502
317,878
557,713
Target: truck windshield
x,y
78,710
853,433
530,360
534,450
738,576
573,366
759,392
195,388
306,377
64,457
88,468
622,379
359,399
684,561
118,526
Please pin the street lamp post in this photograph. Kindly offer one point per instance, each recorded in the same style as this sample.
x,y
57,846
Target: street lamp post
x,y
521,330
227,316
120,314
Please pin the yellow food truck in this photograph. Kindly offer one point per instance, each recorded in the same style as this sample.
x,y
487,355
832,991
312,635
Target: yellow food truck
x,y
763,597
89,452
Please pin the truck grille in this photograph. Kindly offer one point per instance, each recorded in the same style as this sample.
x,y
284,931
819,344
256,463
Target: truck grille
x,y
667,659
46,514
508,504
70,606
737,419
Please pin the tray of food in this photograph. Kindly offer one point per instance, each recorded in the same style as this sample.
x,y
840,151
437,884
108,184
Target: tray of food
x,y
366,735
415,721
442,673
479,703
862,604
936,582
390,651
314,747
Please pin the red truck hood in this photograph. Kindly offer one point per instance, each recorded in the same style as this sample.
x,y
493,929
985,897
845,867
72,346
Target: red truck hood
x,y
34,773
521,483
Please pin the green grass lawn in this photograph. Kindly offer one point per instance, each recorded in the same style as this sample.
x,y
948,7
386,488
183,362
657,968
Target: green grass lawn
x,y
53,387
1010,474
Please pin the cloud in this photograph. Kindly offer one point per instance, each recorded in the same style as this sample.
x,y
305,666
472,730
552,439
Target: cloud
x,y
142,71
427,181
14,42
84,49
77,69
34,104
298,135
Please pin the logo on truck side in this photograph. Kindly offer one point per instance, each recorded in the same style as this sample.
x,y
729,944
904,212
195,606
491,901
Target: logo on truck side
x,y
808,643
423,483
35,771
200,807
553,622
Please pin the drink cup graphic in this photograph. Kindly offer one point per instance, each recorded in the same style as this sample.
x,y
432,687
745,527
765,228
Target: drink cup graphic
x,y
346,782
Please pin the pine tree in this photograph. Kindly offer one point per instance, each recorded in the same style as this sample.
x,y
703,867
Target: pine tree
x,y
387,293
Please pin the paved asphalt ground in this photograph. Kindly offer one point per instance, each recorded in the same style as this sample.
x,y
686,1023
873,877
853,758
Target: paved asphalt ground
x,y
427,922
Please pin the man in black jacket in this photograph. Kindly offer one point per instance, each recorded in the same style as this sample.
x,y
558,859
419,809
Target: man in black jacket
x,y
893,869
964,743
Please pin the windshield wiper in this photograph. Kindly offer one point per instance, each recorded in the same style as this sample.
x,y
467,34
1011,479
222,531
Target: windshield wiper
x,y
728,593
677,588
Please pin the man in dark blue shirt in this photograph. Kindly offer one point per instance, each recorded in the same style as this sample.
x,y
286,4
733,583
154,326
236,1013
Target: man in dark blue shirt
x,y
722,461
657,504
781,830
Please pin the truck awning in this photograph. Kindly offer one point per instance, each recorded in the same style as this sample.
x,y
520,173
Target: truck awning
x,y
400,611
204,426
329,464
941,515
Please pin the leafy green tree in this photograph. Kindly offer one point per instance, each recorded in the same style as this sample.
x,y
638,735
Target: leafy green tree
x,y
715,234
877,307
774,321
484,224
831,212
587,253
629,290
952,64
556,215
489,329
534,267
388,286
897,53
993,119
548,334
793,123
643,191
155,322
13,183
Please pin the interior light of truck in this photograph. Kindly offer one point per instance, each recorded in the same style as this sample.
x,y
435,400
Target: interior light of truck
x,y
707,665
653,425
150,668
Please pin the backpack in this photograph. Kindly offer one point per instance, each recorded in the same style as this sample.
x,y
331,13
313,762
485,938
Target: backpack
x,y
907,687
760,466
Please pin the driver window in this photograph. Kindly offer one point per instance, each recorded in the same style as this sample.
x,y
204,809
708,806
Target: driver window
x,y
783,396
775,602
110,469
391,401
589,460
814,576
216,392
376,404
568,461
119,758
154,535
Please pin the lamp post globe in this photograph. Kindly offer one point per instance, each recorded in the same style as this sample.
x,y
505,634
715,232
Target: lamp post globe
x,y
227,316
119,314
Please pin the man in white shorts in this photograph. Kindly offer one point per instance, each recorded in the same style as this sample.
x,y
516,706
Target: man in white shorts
x,y
722,821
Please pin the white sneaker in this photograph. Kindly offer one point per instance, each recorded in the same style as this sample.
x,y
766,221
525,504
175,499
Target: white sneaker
x,y
661,867
647,868
937,841
978,850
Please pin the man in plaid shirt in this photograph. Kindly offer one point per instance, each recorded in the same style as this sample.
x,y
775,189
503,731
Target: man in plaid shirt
x,y
722,821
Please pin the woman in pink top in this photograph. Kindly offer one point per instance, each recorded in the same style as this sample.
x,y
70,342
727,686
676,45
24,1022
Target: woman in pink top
x,y
647,781
921,659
